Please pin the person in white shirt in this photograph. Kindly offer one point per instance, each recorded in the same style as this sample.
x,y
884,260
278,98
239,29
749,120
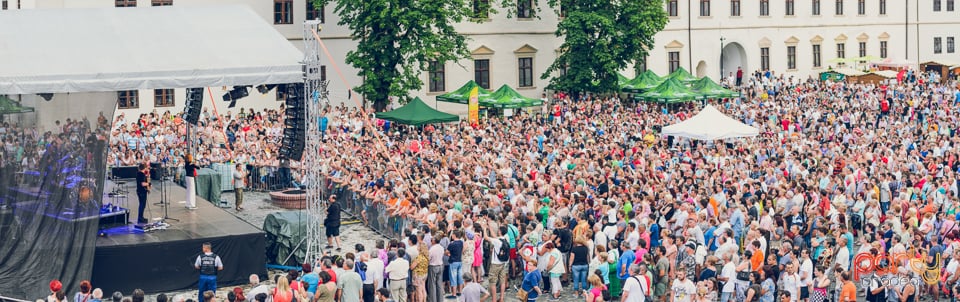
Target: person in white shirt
x,y
239,179
791,283
727,275
683,289
375,270
398,270
843,254
632,236
806,273
635,288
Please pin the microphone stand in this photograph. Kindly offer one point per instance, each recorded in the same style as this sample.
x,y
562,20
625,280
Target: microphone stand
x,y
163,194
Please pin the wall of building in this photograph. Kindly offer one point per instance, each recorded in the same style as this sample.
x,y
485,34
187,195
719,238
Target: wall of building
x,y
696,38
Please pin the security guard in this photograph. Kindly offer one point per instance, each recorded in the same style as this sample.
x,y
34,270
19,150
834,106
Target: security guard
x,y
209,264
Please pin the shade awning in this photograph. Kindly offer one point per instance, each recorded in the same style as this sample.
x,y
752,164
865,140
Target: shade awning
x,y
710,124
115,49
417,113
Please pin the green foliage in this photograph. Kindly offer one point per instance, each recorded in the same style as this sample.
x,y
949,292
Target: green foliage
x,y
600,38
397,39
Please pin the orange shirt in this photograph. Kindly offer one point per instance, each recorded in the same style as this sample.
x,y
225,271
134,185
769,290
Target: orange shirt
x,y
756,260
849,292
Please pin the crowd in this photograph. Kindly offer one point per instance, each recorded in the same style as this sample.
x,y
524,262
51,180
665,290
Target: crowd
x,y
250,137
589,200
849,193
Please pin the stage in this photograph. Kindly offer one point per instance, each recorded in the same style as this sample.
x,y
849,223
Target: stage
x,y
127,258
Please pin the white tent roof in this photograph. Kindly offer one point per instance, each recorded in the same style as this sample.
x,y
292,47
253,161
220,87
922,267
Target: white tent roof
x,y
710,124
114,49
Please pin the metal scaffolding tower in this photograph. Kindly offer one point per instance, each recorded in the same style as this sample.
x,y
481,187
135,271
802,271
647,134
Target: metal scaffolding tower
x,y
315,90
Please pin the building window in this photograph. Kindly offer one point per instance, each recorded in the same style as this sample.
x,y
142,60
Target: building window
x,y
816,55
525,9
704,8
861,7
863,49
481,73
640,67
161,2
765,58
949,5
936,5
673,7
883,7
3,5
764,7
282,11
526,72
125,3
789,7
950,46
128,99
163,98
735,8
791,57
816,8
438,76
937,47
674,60
315,13
481,9
883,49
841,50
839,9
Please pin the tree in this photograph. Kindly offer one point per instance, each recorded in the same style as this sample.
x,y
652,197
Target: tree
x,y
600,38
397,39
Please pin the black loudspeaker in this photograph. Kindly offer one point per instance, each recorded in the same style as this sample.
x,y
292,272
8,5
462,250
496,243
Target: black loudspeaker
x,y
193,105
294,122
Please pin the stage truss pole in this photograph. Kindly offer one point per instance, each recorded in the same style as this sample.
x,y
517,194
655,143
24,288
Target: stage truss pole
x,y
315,90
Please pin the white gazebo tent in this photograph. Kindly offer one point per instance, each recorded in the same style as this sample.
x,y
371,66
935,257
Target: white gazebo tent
x,y
710,124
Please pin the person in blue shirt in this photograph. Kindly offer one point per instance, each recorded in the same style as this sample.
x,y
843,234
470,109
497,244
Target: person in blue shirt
x,y
311,278
627,259
531,281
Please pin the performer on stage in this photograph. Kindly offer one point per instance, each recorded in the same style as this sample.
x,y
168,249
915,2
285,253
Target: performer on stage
x,y
143,187
191,171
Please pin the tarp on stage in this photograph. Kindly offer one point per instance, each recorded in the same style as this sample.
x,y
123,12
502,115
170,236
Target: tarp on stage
x,y
111,49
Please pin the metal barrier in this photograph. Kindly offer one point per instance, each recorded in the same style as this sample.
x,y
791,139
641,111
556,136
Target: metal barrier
x,y
268,178
373,215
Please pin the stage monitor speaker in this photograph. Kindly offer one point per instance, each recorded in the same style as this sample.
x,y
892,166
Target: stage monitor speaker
x,y
193,105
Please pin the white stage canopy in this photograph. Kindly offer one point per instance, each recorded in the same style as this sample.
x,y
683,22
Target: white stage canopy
x,y
115,49
710,124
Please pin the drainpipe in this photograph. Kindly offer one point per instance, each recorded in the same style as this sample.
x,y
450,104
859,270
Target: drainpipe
x,y
906,29
690,36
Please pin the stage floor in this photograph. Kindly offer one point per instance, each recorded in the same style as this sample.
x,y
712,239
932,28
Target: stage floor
x,y
162,260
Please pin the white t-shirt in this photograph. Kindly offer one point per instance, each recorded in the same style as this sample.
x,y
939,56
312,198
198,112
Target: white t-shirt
x,y
633,239
806,267
635,287
497,244
729,271
683,291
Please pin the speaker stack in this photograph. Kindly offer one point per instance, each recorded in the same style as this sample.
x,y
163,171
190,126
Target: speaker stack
x,y
295,128
194,103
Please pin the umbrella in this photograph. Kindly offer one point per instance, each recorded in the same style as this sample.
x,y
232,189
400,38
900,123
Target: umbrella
x,y
867,59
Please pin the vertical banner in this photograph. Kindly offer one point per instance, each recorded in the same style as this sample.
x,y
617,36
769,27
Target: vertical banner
x,y
474,106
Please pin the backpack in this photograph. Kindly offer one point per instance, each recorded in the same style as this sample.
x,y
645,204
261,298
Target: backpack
x,y
361,269
504,254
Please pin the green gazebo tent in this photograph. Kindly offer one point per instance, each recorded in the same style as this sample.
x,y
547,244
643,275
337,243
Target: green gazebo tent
x,y
682,75
9,106
506,97
670,91
462,95
645,81
622,80
705,88
417,113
